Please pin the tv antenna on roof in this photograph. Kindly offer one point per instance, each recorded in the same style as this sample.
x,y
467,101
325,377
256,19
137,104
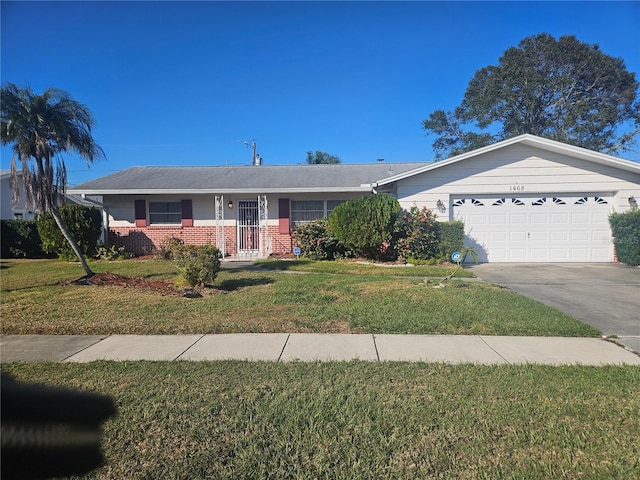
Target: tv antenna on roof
x,y
256,159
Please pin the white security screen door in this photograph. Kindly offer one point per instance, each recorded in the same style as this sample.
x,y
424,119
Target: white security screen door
x,y
248,228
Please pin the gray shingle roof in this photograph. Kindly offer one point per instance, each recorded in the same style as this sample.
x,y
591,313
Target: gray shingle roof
x,y
260,179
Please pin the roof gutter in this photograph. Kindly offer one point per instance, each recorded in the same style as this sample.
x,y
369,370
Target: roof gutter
x,y
206,191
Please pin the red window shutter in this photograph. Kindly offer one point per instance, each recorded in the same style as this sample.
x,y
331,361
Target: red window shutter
x,y
187,213
283,216
141,213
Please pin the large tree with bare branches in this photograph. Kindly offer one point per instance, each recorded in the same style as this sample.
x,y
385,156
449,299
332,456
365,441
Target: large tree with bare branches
x,y
40,129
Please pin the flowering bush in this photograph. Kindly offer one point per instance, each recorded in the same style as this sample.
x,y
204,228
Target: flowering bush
x,y
317,242
416,234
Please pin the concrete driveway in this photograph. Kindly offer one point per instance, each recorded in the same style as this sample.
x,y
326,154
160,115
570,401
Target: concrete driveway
x,y
603,295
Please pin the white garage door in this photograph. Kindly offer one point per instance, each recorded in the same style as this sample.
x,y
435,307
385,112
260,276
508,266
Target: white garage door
x,y
537,228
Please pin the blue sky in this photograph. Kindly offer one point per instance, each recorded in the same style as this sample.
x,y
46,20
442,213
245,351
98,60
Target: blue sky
x,y
185,83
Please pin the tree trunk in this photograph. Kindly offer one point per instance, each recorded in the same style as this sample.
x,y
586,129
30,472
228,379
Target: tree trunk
x,y
67,234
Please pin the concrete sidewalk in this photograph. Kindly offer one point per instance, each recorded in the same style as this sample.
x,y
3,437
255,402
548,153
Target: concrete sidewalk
x,y
316,347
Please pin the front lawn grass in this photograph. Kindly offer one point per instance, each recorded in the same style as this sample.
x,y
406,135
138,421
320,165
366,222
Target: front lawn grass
x,y
37,298
241,420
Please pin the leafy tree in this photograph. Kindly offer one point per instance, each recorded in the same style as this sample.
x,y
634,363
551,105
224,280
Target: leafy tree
x,y
41,128
321,158
564,90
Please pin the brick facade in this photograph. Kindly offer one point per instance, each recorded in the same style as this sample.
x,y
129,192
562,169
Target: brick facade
x,y
147,240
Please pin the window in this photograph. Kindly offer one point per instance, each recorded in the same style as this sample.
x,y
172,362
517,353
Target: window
x,y
305,211
165,212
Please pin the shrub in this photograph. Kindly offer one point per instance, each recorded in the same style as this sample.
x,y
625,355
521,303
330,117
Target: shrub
x,y
416,237
198,264
365,225
625,228
450,238
168,246
84,223
317,242
112,253
20,239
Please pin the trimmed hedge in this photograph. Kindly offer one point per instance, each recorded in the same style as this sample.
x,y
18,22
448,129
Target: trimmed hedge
x,y
625,228
450,238
20,239
84,223
366,224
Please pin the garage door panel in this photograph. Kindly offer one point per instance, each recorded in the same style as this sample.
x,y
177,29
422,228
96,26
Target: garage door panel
x,y
499,236
557,236
580,236
562,228
539,218
518,219
540,236
498,219
559,218
582,218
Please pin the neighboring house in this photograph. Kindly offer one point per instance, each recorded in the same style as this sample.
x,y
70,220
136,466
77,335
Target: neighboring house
x,y
526,199
7,211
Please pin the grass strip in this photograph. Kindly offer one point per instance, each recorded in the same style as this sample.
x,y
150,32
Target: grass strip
x,y
248,301
360,420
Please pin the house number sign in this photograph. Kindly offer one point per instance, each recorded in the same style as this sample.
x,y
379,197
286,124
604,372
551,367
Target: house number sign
x,y
516,188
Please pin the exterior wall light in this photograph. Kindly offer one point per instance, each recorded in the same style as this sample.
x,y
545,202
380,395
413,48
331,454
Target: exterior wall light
x,y
230,204
441,207
633,202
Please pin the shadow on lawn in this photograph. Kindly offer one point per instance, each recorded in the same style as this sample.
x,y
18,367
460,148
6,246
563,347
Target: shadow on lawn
x,y
282,264
235,284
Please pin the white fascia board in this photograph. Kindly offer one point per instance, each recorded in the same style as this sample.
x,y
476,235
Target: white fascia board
x,y
527,139
243,191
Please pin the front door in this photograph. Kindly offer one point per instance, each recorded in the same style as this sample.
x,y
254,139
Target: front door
x,y
248,228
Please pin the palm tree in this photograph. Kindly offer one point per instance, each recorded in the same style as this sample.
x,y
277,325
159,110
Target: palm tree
x,y
40,128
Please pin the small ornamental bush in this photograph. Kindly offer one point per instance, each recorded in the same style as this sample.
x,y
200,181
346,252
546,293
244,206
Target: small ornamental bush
x,y
625,228
198,264
317,242
366,225
168,246
416,235
112,253
84,223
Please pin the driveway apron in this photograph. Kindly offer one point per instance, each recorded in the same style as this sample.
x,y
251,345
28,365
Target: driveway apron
x,y
603,295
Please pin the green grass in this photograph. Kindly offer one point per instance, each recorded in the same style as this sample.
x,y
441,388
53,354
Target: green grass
x,y
238,420
37,299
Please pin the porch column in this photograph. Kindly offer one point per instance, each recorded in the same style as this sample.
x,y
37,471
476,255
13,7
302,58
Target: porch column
x,y
263,215
219,217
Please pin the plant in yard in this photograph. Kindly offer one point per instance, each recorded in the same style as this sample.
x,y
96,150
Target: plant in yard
x,y
41,128
317,242
366,224
416,235
198,264
625,228
168,246
20,239
112,253
84,224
